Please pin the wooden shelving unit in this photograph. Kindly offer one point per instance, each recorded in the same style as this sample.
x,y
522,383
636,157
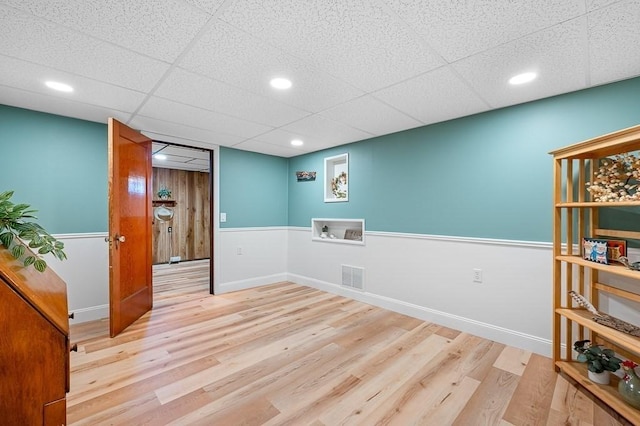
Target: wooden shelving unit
x,y
576,216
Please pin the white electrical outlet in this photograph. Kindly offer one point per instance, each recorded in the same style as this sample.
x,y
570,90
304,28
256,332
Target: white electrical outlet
x,y
477,275
239,251
223,217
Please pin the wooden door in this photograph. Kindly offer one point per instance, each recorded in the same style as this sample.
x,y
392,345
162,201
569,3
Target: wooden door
x,y
130,274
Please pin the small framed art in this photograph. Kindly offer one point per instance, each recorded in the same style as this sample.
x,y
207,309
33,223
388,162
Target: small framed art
x,y
615,249
595,250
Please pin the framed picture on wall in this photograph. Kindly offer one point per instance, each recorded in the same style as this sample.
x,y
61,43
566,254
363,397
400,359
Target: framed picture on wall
x,y
336,178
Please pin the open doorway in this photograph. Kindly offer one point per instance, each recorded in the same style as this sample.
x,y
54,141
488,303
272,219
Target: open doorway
x,y
182,226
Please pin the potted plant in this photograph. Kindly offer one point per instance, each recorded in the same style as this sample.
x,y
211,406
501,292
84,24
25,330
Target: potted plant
x,y
164,193
17,230
600,360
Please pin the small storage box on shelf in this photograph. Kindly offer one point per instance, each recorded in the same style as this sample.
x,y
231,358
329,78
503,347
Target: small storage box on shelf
x,y
576,215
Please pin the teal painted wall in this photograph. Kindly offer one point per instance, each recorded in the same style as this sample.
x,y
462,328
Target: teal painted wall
x,y
487,175
253,189
58,165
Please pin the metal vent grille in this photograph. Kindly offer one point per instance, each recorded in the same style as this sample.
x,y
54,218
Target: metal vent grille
x,y
353,276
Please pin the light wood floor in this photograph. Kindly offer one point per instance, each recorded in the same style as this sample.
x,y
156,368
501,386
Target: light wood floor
x,y
285,354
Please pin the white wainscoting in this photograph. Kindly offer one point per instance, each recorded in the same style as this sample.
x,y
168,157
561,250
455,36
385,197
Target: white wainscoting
x,y
250,257
427,277
431,278
86,272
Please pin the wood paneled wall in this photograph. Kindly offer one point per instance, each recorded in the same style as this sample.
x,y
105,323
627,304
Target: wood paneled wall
x,y
190,224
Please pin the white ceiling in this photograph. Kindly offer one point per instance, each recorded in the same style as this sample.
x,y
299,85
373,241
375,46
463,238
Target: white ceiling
x,y
197,72
181,158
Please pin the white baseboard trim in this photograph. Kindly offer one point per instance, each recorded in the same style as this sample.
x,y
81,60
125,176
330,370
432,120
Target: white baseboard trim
x,y
488,331
250,283
89,314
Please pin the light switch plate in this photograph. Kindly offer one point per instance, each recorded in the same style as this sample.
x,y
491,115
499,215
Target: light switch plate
x,y
223,217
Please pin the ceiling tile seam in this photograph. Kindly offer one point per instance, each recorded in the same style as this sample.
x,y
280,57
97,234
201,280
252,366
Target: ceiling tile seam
x,y
286,148
84,34
423,40
159,150
369,94
237,117
213,18
73,74
270,99
196,142
56,96
330,119
199,9
316,67
244,89
192,127
282,127
587,51
430,49
514,40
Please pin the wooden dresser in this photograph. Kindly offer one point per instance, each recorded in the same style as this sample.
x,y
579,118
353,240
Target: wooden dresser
x,y
34,345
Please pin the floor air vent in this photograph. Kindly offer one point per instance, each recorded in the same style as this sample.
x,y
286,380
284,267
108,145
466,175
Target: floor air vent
x,y
353,277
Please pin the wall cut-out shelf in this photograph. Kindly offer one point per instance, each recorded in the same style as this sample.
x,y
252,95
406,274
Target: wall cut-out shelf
x,y
344,231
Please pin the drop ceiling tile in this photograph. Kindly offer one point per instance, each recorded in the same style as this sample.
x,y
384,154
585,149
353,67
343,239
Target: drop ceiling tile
x,y
186,153
157,147
459,29
371,115
282,138
32,77
317,132
209,6
185,87
201,162
433,97
163,109
42,42
614,42
319,127
356,40
203,142
227,54
165,131
598,4
160,29
558,54
59,106
179,166
265,148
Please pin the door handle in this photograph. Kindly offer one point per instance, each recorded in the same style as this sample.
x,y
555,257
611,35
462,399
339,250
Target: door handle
x,y
116,238
119,239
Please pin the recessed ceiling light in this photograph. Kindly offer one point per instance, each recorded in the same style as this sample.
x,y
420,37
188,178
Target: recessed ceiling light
x,y
297,142
61,87
525,77
280,83
160,157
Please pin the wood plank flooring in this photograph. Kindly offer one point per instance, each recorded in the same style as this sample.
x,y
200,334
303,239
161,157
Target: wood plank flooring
x,y
285,354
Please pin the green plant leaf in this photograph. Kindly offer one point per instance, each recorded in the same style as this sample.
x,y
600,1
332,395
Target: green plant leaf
x,y
6,239
18,251
15,221
40,265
